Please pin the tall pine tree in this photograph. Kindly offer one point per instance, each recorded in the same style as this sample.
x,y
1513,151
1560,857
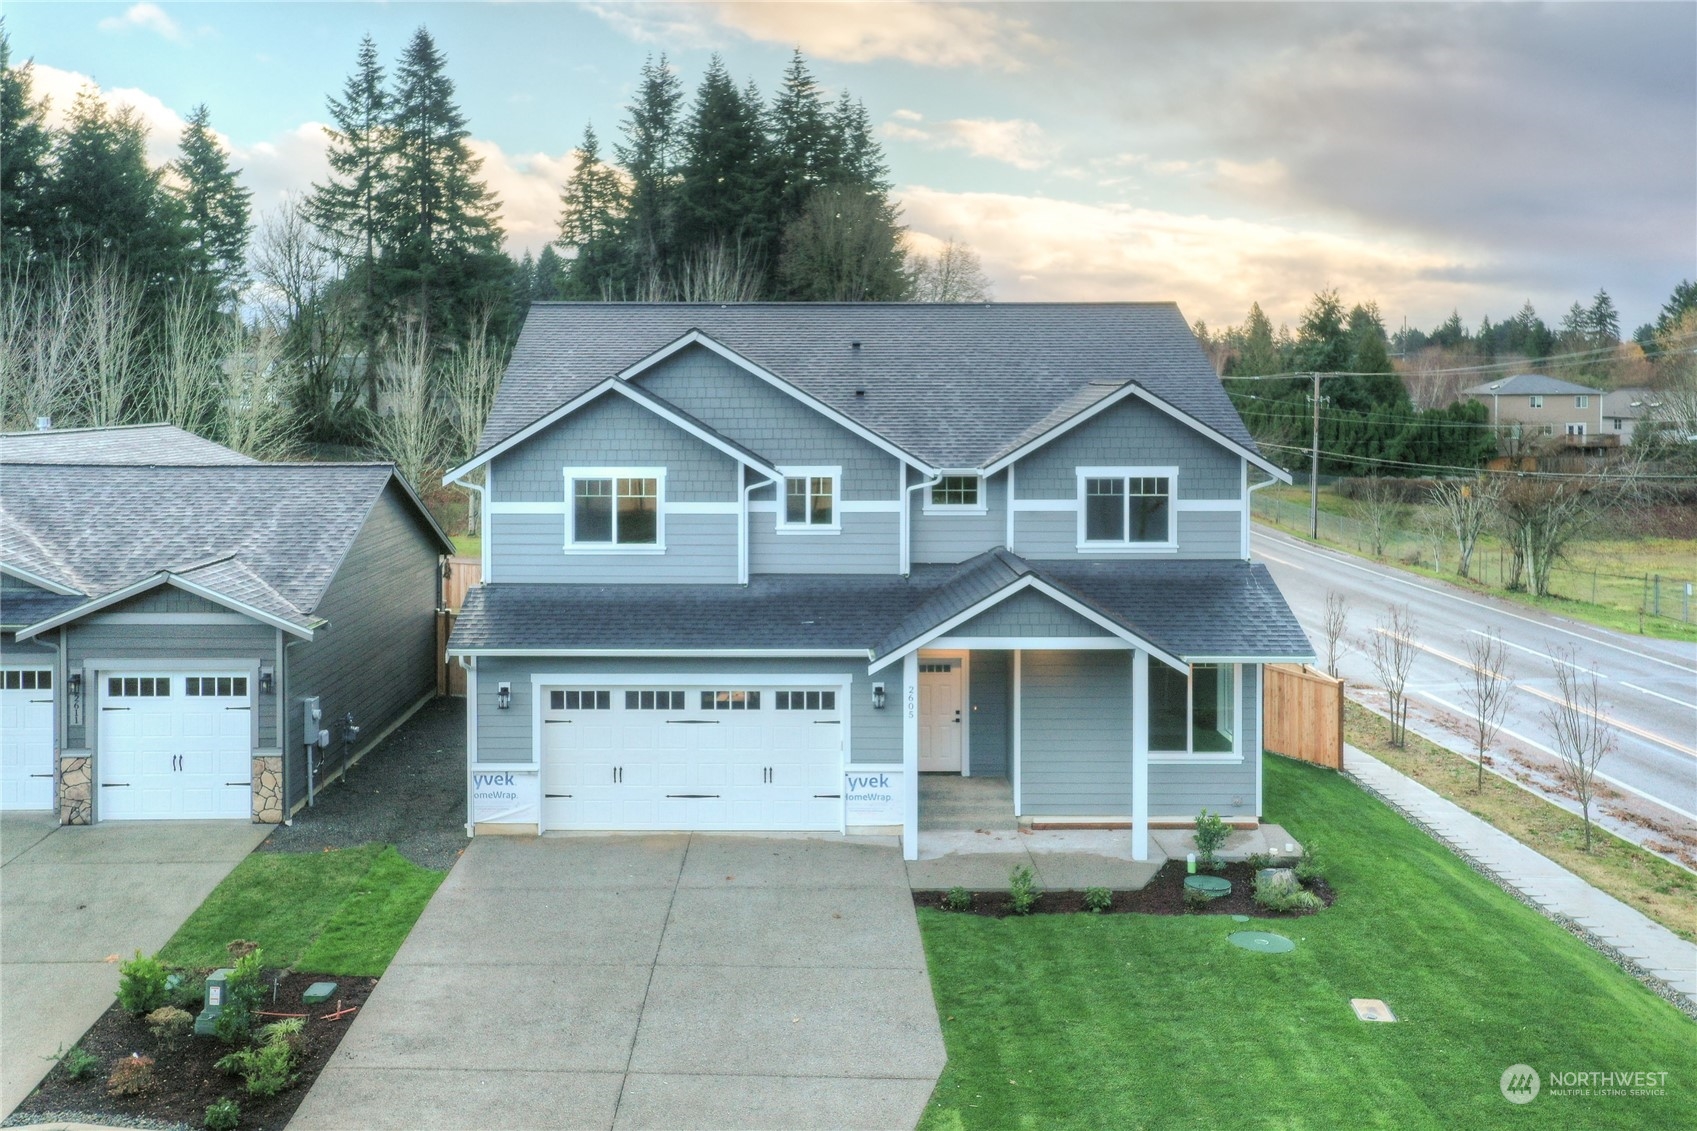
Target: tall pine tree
x,y
24,147
592,207
722,202
217,208
650,155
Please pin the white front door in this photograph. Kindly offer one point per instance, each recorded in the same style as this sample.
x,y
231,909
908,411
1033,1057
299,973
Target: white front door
x,y
683,758
175,747
940,725
26,738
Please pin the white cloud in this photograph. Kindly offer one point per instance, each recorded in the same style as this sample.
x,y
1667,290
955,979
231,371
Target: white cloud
x,y
1046,249
528,185
144,17
1013,141
164,125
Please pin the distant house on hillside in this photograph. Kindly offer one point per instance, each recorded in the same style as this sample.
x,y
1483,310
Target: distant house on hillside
x,y
1530,405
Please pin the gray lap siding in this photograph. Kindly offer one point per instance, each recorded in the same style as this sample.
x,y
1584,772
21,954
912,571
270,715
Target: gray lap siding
x,y
868,543
531,548
1028,615
1075,734
944,537
989,733
1201,534
1181,790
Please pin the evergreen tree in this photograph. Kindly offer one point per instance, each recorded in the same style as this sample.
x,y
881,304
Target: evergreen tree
x,y
844,247
1576,328
1604,320
549,279
24,147
855,157
1322,341
216,206
593,205
801,140
1684,298
1259,355
651,156
722,201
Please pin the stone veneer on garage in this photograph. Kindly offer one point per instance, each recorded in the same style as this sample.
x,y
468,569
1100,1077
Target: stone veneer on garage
x,y
76,790
267,789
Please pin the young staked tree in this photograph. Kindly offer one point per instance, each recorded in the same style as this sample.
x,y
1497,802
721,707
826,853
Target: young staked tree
x,y
954,274
592,209
1485,690
1390,647
1583,735
216,207
25,143
1335,627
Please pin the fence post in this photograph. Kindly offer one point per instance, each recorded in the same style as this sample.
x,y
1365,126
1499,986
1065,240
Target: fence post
x,y
1658,604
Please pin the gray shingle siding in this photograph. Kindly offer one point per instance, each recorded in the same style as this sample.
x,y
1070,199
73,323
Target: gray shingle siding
x,y
771,422
1075,727
530,549
957,537
614,431
1028,614
1135,434
869,543
991,719
1046,535
377,656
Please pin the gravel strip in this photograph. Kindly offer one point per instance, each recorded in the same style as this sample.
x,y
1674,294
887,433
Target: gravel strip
x,y
410,792
36,1119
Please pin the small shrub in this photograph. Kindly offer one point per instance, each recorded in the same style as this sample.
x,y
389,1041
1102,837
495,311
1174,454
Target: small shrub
x,y
168,1024
141,984
223,1115
1098,900
1258,861
1195,900
131,1076
1022,890
189,993
79,1063
267,1068
243,993
1211,835
1310,866
957,899
1280,891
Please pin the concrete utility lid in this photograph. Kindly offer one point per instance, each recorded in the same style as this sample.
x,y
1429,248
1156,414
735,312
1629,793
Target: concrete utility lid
x,y
318,993
1265,942
1240,918
1371,1009
1211,886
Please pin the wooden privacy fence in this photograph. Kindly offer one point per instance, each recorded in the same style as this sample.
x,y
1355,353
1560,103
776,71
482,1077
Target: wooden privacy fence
x,y
460,576
1303,714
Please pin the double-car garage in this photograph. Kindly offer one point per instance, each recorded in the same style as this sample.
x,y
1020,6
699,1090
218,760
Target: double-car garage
x,y
677,756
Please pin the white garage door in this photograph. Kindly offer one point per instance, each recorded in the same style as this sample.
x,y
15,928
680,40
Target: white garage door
x,y
26,738
691,757
175,746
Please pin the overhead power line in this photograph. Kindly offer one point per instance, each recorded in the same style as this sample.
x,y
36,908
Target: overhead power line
x,y
1522,363
1349,457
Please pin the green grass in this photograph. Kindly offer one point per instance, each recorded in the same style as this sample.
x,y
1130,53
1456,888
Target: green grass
x,y
468,545
348,910
1144,1021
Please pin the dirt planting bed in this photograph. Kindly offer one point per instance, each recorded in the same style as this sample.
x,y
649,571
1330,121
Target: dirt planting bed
x,y
1163,895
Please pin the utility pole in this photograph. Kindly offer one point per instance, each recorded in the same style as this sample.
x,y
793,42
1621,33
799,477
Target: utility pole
x,y
1314,469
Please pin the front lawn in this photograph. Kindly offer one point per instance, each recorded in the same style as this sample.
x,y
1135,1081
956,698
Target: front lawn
x,y
1145,1021
339,911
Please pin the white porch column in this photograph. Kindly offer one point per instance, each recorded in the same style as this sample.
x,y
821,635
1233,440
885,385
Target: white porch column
x,y
910,755
1139,755
470,740
1018,727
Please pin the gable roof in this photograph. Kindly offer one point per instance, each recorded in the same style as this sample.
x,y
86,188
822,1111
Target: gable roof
x,y
269,537
122,444
1523,384
951,384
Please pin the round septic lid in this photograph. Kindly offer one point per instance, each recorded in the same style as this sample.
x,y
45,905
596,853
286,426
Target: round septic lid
x,y
1240,918
1263,941
1211,886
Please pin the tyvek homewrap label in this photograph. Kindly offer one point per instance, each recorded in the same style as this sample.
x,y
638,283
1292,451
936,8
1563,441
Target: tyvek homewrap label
x,y
874,796
505,797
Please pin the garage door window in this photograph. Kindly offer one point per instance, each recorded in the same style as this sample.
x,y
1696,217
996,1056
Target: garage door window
x,y
145,687
806,701
654,700
580,700
730,700
29,681
222,686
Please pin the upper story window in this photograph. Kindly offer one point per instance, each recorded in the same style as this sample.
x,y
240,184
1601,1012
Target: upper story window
x,y
956,494
1195,715
1535,401
1128,508
1582,402
615,509
810,500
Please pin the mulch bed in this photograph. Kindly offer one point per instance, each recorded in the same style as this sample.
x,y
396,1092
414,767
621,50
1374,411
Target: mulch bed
x,y
185,1081
1163,895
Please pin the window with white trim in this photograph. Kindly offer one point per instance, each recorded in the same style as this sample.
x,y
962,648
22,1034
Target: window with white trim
x,y
956,494
809,504
617,509
1126,507
1576,429
1535,401
1194,713
1582,402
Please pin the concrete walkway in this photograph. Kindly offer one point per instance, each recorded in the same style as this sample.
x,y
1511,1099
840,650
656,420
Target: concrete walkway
x,y
648,981
75,900
1647,943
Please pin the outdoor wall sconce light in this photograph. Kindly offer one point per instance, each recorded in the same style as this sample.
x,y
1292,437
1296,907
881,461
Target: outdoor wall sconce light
x,y
877,697
503,696
74,681
267,679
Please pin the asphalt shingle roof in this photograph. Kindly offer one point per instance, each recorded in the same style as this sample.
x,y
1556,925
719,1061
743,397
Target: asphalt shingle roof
x,y
126,444
20,607
955,385
1522,384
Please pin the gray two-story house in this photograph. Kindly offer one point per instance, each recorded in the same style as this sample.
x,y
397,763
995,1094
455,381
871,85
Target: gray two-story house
x,y
763,566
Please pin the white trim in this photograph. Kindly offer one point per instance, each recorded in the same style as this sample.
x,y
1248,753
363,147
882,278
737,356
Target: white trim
x,y
636,396
965,674
1045,504
981,507
810,472
1033,643
1247,516
1168,545
168,618
576,474
1140,755
1010,502
1209,504
697,680
905,539
696,337
1172,758
527,508
1018,725
470,667
37,580
910,756
1190,756
486,530
1114,398
147,583
745,653
1260,734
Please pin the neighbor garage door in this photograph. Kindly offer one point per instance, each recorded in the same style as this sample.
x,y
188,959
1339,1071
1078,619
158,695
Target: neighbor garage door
x,y
683,757
175,746
26,738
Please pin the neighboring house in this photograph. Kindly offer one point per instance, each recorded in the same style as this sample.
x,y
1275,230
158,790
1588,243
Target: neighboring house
x,y
1624,408
168,605
760,566
1529,405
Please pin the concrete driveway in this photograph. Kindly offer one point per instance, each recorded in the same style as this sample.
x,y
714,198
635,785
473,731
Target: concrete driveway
x,y
70,898
648,981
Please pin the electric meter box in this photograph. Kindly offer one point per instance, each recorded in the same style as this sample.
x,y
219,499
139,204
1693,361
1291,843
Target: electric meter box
x,y
213,1005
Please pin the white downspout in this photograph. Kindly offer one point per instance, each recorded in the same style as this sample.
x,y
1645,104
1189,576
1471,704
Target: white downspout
x,y
470,666
745,531
1249,505
907,518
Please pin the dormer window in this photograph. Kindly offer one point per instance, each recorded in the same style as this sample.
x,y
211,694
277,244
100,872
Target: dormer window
x,y
810,501
956,494
615,509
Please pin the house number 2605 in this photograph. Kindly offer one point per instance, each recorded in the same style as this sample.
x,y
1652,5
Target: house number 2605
x,y
912,702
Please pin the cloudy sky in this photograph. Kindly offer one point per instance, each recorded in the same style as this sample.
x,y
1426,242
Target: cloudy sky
x,y
1429,157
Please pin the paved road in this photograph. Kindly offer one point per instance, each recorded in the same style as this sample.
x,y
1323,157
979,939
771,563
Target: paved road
x,y
1650,686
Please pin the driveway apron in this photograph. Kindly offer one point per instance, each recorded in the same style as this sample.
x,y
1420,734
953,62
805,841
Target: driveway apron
x,y
72,902
648,982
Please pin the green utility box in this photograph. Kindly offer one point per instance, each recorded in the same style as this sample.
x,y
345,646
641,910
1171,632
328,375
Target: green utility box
x,y
318,993
214,1003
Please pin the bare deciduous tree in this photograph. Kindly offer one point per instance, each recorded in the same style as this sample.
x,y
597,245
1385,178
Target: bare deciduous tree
x,y
470,379
1485,690
109,355
253,410
1335,625
39,317
1466,506
1542,515
409,432
1583,737
954,274
190,377
1379,508
1390,646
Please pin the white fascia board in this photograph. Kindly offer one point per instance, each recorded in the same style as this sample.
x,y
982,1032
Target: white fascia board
x,y
697,338
616,385
38,581
688,679
734,653
1263,659
154,582
1132,389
